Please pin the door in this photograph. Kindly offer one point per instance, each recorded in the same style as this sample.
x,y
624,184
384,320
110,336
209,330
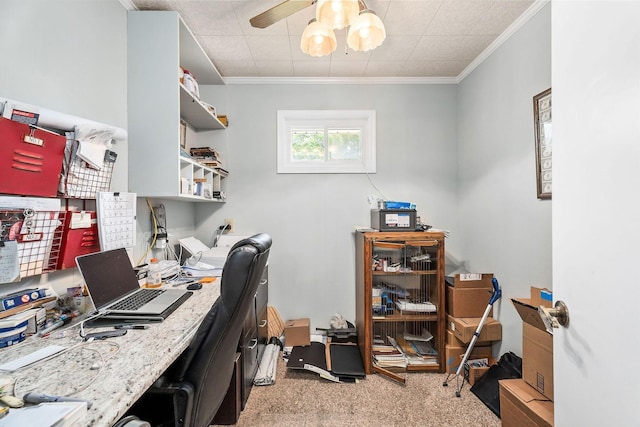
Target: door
x,y
596,210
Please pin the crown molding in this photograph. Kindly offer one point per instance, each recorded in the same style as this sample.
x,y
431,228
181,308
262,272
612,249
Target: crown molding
x,y
340,80
506,35
512,29
128,4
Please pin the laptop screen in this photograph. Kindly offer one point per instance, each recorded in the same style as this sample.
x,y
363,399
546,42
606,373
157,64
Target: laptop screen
x,y
109,275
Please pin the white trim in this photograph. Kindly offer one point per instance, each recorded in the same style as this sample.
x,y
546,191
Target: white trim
x,y
364,119
339,80
515,26
128,4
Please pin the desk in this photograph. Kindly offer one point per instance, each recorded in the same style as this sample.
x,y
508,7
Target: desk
x,y
132,362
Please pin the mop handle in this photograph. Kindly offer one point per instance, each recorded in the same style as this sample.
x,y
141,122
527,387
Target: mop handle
x,y
497,292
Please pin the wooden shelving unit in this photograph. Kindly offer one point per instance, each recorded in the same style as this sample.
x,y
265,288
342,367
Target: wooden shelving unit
x,y
393,267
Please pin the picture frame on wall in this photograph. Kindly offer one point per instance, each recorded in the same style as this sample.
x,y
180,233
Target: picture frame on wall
x,y
543,141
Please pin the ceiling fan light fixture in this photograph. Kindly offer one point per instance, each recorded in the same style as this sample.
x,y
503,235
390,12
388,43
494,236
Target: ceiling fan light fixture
x,y
366,31
318,39
337,14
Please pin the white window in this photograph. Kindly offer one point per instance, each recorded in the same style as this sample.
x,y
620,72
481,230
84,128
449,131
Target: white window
x,y
326,141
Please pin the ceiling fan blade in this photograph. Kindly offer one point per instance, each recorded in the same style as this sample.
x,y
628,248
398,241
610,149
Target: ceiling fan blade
x,y
278,12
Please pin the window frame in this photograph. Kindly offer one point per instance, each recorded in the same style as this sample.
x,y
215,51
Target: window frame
x,y
365,120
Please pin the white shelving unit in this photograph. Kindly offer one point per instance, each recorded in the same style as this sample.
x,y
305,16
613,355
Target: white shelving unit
x,y
159,43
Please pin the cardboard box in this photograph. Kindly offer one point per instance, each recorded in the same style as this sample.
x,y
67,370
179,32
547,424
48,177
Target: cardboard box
x,y
297,332
541,296
473,373
468,294
537,345
452,340
464,328
455,342
468,302
472,280
453,355
537,359
522,406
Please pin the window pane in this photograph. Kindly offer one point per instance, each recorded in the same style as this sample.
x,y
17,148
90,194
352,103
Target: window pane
x,y
307,145
326,141
344,144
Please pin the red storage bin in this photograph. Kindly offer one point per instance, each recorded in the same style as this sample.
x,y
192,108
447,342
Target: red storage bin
x,y
30,159
77,241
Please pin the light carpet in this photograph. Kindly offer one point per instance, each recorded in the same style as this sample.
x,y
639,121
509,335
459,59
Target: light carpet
x,y
302,398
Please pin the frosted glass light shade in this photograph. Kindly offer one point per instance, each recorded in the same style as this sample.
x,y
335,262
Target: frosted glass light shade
x,y
337,14
318,39
366,31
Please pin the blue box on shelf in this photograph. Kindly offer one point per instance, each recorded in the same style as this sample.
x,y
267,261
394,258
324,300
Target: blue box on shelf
x,y
398,205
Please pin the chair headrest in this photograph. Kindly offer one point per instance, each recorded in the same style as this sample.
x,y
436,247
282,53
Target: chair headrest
x,y
261,241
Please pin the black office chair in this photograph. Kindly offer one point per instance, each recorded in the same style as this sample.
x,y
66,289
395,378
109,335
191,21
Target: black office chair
x,y
197,382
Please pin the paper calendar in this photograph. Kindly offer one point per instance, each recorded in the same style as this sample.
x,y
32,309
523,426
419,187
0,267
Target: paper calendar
x,y
116,220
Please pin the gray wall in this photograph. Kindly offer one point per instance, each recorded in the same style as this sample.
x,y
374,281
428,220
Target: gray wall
x,y
68,56
504,228
311,217
463,154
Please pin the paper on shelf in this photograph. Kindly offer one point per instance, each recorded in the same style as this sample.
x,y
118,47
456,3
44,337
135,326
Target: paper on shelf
x,y
201,269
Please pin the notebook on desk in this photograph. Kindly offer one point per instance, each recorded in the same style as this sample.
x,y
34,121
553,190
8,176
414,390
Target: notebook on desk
x,y
113,287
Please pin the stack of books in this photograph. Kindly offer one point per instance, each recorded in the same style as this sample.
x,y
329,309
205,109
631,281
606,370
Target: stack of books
x,y
405,305
388,356
419,348
207,156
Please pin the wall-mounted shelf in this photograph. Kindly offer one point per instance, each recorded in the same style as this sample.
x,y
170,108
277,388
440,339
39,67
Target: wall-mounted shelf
x,y
159,43
194,112
198,182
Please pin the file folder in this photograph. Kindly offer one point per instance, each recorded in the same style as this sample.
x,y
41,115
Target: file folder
x,y
79,237
30,159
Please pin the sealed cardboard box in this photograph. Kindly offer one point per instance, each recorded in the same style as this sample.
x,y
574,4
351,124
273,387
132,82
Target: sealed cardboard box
x,y
453,355
468,294
297,332
468,302
537,344
455,342
464,328
523,406
472,280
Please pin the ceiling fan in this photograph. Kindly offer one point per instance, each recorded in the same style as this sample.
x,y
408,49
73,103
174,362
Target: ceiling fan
x,y
278,12
365,30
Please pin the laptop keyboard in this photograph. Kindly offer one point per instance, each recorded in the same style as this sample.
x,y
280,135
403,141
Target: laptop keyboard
x,y
137,300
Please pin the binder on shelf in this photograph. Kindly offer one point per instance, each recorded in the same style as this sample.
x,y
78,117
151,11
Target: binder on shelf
x,y
79,236
30,159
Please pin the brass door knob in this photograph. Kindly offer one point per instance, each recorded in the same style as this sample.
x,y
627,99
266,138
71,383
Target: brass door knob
x,y
554,317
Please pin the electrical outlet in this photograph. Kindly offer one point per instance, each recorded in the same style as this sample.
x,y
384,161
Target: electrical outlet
x,y
229,222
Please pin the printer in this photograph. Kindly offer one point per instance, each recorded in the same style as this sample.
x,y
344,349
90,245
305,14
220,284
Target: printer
x,y
193,250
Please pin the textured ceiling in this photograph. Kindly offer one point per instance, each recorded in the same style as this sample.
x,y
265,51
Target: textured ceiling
x,y
425,38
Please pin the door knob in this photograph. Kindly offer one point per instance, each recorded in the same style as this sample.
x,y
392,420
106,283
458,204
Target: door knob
x,y
554,317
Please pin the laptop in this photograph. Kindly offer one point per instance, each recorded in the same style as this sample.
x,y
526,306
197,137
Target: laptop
x,y
113,287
